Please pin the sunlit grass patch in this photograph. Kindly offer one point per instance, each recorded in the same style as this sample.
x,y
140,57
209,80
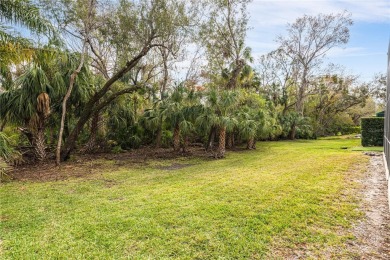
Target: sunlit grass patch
x,y
368,149
284,196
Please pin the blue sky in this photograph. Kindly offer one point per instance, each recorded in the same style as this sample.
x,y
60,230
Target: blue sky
x,y
364,55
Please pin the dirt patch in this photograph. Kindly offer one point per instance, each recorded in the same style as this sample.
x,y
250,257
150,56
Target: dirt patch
x,y
49,172
174,166
87,166
373,232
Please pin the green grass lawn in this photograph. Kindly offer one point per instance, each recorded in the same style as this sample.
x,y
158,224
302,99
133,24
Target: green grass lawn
x,y
267,203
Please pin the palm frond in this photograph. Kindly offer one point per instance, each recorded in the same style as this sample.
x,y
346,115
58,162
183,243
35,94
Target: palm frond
x,y
23,13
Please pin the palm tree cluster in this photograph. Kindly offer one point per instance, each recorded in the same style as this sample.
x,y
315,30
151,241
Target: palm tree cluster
x,y
117,92
39,81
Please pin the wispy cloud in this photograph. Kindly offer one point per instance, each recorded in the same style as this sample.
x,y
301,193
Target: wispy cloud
x,y
269,18
351,52
368,11
277,12
344,52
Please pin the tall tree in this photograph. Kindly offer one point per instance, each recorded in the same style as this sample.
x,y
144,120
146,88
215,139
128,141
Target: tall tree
x,y
335,94
278,76
27,103
378,88
308,40
85,12
133,30
14,48
219,113
223,36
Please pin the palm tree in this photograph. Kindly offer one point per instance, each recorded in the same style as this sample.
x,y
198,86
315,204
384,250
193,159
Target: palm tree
x,y
154,121
191,111
219,113
248,128
172,111
15,49
124,124
28,104
180,109
37,92
24,13
255,118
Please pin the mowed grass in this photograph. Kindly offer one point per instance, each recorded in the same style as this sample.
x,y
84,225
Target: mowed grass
x,y
266,203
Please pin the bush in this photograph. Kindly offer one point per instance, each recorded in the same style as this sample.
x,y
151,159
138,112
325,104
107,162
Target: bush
x,y
372,131
4,169
351,130
166,138
380,114
6,156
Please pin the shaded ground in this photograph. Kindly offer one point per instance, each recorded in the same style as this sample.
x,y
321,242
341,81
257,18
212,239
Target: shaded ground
x,y
373,232
87,165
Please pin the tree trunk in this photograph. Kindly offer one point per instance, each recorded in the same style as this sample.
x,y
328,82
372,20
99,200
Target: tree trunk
x,y
291,135
65,100
229,140
91,107
2,126
186,142
251,143
164,55
221,143
236,72
176,138
91,144
210,141
159,136
37,125
164,84
39,144
301,93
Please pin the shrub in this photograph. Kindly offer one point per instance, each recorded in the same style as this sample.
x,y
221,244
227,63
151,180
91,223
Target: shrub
x,y
166,138
6,156
117,149
4,169
380,114
351,130
355,130
372,131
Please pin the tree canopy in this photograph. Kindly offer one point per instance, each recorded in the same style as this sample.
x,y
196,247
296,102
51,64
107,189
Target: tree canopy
x,y
104,78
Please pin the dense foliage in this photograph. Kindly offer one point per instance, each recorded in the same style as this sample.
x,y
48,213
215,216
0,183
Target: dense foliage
x,y
372,131
107,78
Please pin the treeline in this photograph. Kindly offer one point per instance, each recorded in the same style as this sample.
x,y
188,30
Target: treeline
x,y
99,75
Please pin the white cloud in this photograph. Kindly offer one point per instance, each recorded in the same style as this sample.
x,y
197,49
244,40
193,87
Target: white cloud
x,y
344,52
265,13
351,52
369,11
269,18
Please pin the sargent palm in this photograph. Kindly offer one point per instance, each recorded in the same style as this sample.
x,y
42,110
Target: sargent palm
x,y
219,114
